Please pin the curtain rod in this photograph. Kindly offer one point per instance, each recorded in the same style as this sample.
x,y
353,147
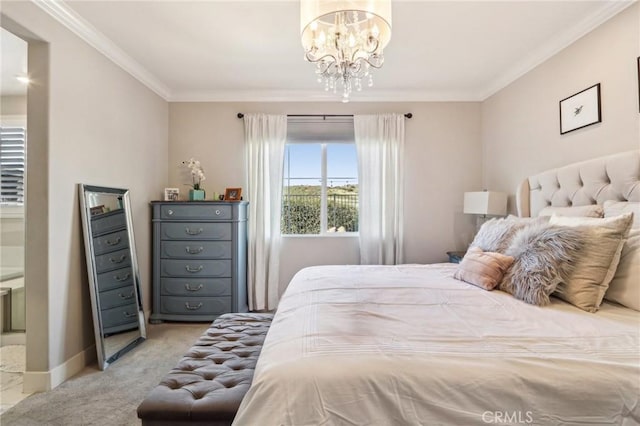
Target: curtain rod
x,y
241,115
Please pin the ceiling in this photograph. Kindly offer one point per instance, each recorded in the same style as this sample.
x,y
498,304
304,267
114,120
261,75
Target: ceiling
x,y
239,50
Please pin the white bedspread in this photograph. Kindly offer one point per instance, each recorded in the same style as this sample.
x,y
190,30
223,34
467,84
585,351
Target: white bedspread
x,y
409,345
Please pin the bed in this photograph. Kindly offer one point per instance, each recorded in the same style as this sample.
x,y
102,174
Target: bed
x,y
411,345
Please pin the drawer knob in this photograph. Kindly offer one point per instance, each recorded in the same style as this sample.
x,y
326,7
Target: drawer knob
x,y
194,270
192,308
194,251
113,242
123,278
218,212
119,260
189,288
125,296
196,232
129,314
170,212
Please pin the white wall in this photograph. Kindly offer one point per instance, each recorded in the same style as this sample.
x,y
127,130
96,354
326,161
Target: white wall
x,y
441,163
89,122
520,124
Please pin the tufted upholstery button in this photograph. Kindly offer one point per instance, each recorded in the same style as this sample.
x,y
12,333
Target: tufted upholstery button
x,y
213,376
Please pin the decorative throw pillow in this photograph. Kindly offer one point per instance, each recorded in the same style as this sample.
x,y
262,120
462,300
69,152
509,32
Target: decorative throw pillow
x,y
544,257
496,234
597,261
593,210
482,268
625,285
617,208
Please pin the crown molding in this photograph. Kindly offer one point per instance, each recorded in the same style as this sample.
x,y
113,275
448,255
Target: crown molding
x,y
322,96
66,16
560,42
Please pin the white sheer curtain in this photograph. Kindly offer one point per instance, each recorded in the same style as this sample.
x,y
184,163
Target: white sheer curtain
x,y
380,146
265,138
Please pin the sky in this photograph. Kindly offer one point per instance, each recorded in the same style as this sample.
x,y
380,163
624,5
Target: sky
x,y
304,161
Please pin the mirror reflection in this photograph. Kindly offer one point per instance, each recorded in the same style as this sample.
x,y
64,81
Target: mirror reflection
x,y
113,271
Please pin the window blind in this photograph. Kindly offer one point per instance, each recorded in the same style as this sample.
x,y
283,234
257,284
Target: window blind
x,y
12,164
320,129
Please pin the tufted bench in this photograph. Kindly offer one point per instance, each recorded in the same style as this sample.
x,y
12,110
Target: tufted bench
x,y
209,382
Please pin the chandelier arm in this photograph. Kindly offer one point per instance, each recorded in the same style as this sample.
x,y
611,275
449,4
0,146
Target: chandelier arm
x,y
372,64
328,55
375,47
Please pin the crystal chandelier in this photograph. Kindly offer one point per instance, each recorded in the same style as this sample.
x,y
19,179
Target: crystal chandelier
x,y
345,40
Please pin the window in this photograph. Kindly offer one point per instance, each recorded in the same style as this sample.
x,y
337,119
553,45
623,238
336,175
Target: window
x,y
320,193
12,165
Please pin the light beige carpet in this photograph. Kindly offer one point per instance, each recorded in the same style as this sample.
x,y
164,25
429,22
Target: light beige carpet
x,y
109,397
12,359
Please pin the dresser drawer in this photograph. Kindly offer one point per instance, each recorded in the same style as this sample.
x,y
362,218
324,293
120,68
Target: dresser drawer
x,y
211,212
119,315
110,242
195,268
195,286
114,260
117,297
108,222
195,231
115,279
196,249
195,305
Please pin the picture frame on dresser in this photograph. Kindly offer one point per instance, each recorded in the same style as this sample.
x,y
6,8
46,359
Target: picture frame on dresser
x,y
233,194
580,110
171,194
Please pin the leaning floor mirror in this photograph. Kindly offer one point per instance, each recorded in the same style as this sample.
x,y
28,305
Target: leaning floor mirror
x,y
114,282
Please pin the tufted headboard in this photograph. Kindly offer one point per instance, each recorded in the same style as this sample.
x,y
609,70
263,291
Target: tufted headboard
x,y
614,177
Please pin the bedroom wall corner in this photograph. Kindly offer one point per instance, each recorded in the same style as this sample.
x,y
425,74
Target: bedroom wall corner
x,y
520,123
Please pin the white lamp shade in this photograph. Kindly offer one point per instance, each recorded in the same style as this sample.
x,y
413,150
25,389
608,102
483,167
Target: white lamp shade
x,y
490,203
322,13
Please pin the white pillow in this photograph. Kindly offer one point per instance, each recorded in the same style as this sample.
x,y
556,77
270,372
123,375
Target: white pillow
x,y
625,286
597,262
593,210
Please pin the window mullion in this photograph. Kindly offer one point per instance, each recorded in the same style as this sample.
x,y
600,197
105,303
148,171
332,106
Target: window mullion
x,y
323,191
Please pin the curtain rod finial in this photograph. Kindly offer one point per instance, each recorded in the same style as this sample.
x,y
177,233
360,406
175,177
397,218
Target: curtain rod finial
x,y
240,115
408,115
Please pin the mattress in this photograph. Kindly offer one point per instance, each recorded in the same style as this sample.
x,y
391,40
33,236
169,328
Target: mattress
x,y
410,345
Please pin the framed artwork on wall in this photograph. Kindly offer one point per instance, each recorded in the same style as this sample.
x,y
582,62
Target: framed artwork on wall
x,y
580,110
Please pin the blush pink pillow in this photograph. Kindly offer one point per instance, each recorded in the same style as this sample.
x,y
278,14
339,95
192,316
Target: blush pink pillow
x,y
484,269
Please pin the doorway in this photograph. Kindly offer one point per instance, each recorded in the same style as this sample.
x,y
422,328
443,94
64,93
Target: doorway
x,y
13,124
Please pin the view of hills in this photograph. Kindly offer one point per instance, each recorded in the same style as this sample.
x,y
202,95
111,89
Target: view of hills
x,y
309,190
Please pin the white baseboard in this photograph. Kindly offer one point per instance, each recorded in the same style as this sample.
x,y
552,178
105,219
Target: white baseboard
x,y
42,381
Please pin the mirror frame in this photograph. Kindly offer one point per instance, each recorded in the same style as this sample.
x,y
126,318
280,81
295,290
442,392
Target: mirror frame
x,y
103,361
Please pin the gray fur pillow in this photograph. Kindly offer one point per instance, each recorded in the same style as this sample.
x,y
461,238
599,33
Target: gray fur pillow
x,y
545,256
495,235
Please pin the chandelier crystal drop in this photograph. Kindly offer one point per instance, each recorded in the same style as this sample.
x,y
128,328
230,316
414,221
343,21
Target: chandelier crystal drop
x,y
345,39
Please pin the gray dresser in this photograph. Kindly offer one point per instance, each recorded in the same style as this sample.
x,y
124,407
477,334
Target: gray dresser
x,y
199,260
116,294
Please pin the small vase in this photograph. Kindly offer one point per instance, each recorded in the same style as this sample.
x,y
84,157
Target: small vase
x,y
196,194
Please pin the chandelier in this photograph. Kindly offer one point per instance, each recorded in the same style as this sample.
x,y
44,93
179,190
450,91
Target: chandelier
x,y
345,40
